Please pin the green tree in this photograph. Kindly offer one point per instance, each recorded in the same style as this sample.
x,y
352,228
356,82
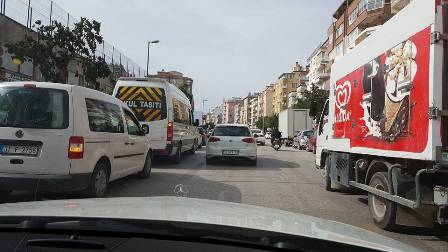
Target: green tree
x,y
317,95
56,46
269,122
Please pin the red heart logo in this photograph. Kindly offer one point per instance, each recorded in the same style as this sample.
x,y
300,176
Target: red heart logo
x,y
343,94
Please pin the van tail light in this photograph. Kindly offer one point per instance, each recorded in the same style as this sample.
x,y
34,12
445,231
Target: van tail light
x,y
214,139
170,132
76,147
248,140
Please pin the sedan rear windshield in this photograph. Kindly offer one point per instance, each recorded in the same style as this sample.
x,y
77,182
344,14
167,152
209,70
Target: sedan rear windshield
x,y
231,131
39,108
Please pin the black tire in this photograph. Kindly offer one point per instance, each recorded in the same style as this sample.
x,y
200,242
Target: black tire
x,y
146,172
192,151
263,144
253,162
383,211
98,181
327,178
178,156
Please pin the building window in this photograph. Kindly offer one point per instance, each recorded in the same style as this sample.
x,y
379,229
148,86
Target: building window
x,y
353,16
374,4
330,39
352,36
362,6
339,49
340,30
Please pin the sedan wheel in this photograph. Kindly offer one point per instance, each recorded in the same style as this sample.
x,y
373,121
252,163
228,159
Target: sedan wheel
x,y
99,181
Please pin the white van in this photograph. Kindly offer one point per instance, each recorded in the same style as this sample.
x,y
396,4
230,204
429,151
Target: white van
x,y
61,138
165,110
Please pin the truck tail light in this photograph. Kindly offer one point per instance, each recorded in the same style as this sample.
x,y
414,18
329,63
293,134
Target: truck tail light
x,y
214,139
170,132
76,147
248,140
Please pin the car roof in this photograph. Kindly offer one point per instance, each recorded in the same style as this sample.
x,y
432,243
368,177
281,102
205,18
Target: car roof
x,y
231,125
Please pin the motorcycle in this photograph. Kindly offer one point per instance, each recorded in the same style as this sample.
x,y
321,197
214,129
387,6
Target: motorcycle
x,y
276,144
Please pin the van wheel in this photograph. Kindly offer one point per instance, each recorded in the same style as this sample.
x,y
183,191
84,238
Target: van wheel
x,y
383,211
146,172
178,155
99,180
193,149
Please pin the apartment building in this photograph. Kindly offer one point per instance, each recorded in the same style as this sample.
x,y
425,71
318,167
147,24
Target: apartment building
x,y
319,68
238,112
228,115
265,101
246,110
397,5
288,83
254,113
354,21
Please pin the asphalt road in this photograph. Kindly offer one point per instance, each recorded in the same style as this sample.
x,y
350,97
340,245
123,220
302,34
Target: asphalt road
x,y
285,180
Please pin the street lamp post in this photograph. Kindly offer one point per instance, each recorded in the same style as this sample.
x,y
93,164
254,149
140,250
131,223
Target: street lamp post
x,y
203,107
147,59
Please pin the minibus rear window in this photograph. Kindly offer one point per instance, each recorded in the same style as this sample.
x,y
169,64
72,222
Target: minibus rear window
x,y
39,108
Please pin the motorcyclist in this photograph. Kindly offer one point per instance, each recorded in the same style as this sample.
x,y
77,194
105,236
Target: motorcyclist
x,y
276,134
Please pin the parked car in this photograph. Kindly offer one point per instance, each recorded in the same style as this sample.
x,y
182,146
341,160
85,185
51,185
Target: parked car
x,y
259,137
311,144
304,137
165,110
67,139
231,141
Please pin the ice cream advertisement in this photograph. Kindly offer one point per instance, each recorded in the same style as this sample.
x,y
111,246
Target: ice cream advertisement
x,y
384,103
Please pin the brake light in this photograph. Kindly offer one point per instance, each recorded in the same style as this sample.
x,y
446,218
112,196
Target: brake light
x,y
248,140
214,139
30,86
76,147
170,132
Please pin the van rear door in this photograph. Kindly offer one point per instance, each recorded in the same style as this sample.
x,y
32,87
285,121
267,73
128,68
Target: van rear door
x,y
34,129
148,101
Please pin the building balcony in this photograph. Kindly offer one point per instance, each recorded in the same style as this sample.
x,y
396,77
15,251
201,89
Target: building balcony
x,y
376,13
324,76
397,5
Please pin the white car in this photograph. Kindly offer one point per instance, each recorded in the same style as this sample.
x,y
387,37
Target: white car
x,y
165,110
268,135
231,141
64,138
259,137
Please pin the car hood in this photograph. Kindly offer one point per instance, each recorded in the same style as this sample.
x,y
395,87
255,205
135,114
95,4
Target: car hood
x,y
205,212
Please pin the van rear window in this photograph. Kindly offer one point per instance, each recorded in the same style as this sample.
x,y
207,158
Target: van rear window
x,y
38,108
147,103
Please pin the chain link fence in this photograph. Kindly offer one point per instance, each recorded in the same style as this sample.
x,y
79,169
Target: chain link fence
x,y
27,12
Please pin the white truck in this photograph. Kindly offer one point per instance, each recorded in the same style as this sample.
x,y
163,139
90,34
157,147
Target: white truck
x,y
290,121
384,129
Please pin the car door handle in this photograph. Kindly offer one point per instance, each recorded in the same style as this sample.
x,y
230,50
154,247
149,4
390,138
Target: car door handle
x,y
129,143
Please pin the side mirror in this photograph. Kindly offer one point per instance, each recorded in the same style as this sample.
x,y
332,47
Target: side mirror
x,y
145,129
196,123
313,109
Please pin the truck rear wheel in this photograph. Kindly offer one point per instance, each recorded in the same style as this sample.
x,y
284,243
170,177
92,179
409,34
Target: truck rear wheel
x,y
383,211
327,179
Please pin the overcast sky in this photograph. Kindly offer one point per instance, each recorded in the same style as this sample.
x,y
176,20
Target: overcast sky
x,y
228,47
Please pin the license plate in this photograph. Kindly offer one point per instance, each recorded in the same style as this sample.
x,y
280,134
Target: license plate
x,y
230,152
19,149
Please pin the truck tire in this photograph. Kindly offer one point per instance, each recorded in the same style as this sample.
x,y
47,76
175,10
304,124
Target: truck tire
x,y
327,178
383,211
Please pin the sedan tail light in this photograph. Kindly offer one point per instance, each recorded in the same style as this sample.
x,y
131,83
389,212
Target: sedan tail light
x,y
248,140
76,147
214,139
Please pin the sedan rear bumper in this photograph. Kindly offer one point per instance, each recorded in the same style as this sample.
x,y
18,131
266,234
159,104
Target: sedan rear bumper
x,y
243,153
44,183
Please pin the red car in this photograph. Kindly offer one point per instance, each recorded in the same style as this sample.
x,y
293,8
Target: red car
x,y
311,143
